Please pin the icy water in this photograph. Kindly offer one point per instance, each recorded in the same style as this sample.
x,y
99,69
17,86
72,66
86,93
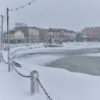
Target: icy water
x,y
75,62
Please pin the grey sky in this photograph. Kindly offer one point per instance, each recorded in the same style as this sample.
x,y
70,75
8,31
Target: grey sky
x,y
69,14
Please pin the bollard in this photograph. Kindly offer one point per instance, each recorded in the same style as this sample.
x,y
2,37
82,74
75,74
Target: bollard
x,y
34,83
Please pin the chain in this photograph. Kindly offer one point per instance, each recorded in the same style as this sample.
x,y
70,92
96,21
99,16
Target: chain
x,y
25,76
21,7
3,60
46,93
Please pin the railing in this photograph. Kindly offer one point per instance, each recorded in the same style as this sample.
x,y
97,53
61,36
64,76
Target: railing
x,y
44,90
2,59
34,78
25,76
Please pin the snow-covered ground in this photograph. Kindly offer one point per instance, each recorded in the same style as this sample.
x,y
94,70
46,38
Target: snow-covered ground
x,y
38,59
23,49
93,54
60,84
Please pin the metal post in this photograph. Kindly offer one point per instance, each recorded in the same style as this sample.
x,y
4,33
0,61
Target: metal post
x,y
1,35
8,40
0,57
34,82
1,31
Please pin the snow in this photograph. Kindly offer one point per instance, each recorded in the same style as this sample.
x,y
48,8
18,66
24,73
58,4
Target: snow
x,y
14,87
60,84
93,54
39,59
35,48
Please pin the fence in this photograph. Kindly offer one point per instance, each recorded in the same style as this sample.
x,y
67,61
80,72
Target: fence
x,y
34,78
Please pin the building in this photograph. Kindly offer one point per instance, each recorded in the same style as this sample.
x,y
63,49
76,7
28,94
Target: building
x,y
27,35
43,35
81,37
36,35
31,34
20,25
15,36
61,35
93,33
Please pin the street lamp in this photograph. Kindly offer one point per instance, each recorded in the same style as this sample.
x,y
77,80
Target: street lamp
x,y
1,31
1,39
8,40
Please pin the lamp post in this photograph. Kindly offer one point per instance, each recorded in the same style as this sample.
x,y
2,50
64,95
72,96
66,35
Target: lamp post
x,y
1,41
8,39
1,32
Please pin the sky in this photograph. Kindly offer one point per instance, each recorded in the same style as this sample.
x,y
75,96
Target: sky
x,y
70,14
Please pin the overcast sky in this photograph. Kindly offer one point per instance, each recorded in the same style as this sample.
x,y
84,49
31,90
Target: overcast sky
x,y
69,14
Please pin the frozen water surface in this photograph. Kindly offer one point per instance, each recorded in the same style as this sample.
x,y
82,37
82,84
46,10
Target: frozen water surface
x,y
71,60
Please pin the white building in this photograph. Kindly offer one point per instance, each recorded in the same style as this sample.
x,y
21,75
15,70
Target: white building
x,y
31,34
14,36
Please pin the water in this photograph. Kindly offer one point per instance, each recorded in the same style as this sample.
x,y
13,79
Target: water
x,y
74,62
82,64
